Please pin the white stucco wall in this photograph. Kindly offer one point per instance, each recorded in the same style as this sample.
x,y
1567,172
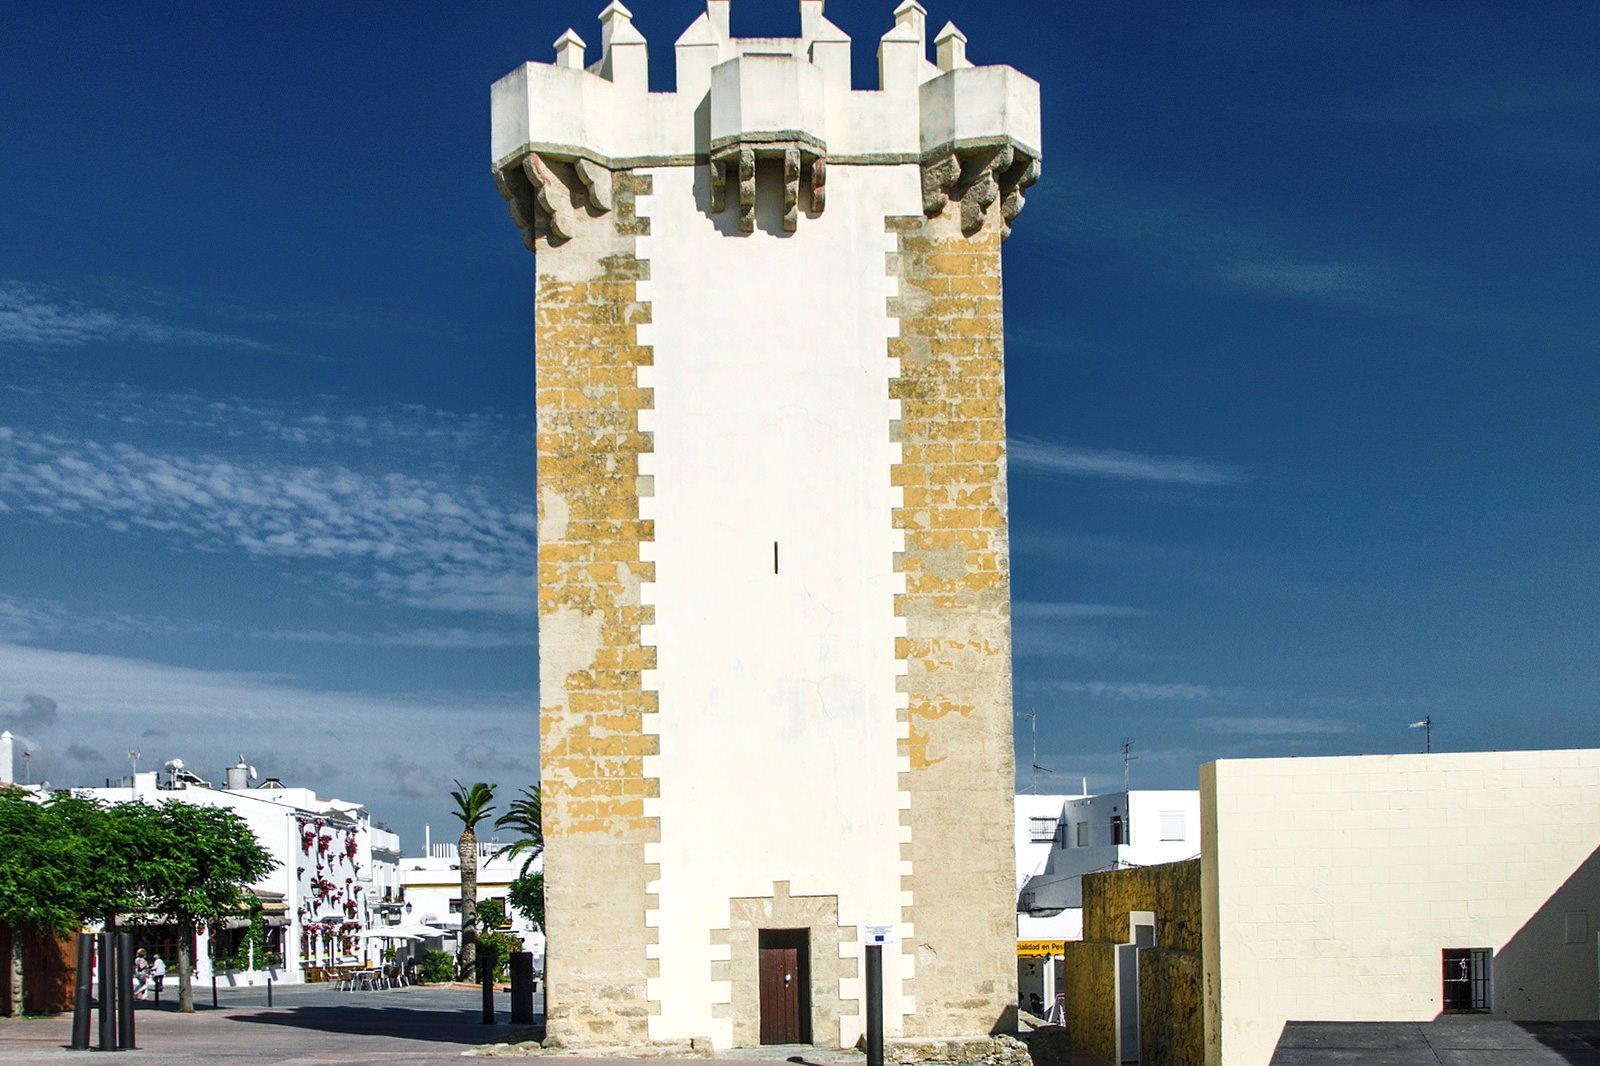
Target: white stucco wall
x,y
777,691
1332,886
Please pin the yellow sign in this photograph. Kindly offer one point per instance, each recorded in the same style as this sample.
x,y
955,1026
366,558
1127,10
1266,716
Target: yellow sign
x,y
1040,949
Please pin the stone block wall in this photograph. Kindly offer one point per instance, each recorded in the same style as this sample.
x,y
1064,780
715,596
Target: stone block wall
x,y
594,711
1170,1014
1170,890
957,607
1091,997
1172,1020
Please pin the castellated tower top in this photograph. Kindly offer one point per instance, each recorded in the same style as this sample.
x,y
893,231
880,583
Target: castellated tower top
x,y
975,131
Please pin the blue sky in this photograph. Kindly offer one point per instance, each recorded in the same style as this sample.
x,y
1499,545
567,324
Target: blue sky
x,y
1303,383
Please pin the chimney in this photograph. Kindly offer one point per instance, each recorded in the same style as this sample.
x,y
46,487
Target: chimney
x,y
8,774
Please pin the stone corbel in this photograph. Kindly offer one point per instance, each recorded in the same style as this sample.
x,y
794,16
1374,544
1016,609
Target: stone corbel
x,y
799,162
546,195
977,178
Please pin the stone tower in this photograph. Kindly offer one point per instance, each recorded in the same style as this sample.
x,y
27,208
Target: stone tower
x,y
774,598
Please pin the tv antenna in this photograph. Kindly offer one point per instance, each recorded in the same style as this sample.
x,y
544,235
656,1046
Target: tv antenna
x,y
27,768
1426,725
1033,730
133,757
1127,757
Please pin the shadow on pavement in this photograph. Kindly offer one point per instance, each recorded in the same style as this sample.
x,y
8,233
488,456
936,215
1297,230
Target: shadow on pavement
x,y
401,1023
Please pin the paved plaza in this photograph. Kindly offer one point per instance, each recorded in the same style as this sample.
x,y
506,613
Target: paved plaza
x,y
306,1024
1459,1041
310,1024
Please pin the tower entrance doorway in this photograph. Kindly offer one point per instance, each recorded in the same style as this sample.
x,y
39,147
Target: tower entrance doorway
x,y
785,986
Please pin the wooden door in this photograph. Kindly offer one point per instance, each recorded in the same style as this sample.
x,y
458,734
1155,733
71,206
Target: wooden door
x,y
785,986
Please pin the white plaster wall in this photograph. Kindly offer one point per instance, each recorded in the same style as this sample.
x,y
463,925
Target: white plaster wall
x,y
1333,885
772,423
1031,855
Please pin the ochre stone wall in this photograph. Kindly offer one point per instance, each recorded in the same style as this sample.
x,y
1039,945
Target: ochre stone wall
x,y
1091,997
1171,890
957,607
1172,1023
594,710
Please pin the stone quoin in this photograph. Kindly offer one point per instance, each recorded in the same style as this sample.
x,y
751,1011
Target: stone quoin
x,y
774,591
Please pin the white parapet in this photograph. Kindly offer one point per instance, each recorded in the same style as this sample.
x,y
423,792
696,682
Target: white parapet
x,y
974,130
7,767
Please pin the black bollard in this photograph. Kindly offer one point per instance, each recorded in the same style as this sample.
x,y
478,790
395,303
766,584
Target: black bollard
x,y
522,988
108,995
213,987
486,975
874,1005
83,994
269,992
125,1035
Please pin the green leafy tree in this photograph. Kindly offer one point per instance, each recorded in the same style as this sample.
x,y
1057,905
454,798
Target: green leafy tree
x,y
33,864
473,806
59,868
524,818
526,896
194,867
491,916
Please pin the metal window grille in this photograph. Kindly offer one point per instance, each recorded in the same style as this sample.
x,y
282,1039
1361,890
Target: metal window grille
x,y
1042,830
1466,980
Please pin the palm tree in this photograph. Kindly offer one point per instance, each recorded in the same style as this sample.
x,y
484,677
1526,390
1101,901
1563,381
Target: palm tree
x,y
472,807
524,818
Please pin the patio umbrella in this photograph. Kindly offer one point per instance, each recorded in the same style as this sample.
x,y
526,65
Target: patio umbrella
x,y
390,934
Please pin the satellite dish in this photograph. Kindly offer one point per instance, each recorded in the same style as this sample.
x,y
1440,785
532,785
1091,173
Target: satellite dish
x,y
252,773
174,764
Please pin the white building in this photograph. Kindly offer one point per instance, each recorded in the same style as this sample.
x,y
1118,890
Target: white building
x,y
1397,888
431,886
774,630
333,867
1087,833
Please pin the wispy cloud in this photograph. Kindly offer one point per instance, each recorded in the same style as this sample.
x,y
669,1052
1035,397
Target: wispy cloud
x,y
1470,102
1285,277
1135,691
1198,243
209,717
453,545
1047,457
1545,122
1274,727
1073,611
414,638
35,317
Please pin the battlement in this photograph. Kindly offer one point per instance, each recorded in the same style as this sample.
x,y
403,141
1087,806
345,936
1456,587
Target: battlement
x,y
974,130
